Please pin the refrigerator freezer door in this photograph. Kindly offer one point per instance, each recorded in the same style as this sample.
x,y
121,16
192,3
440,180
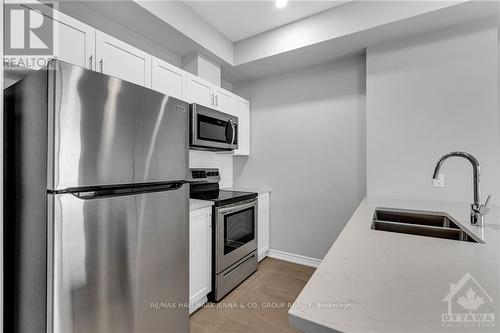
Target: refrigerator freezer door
x,y
106,131
119,264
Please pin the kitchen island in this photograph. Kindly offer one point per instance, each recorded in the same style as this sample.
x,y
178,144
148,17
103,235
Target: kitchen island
x,y
378,281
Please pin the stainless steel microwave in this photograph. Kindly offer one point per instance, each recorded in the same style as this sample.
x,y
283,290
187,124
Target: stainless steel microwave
x,y
211,129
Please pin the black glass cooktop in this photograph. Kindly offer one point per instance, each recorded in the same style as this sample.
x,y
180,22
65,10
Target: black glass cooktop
x,y
221,197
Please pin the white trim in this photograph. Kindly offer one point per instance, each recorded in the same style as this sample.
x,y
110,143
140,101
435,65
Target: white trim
x,y
295,258
262,253
196,304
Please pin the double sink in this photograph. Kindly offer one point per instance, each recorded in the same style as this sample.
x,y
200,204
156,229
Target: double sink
x,y
430,224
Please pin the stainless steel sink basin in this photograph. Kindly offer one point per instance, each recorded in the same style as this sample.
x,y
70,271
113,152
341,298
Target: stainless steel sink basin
x,y
428,224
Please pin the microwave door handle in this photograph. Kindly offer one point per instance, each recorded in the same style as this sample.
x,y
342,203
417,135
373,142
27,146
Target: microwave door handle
x,y
228,125
234,132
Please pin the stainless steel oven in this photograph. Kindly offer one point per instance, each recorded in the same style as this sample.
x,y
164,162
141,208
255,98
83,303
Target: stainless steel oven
x,y
234,230
235,245
211,129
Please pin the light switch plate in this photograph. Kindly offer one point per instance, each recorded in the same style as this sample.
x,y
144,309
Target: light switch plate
x,y
439,182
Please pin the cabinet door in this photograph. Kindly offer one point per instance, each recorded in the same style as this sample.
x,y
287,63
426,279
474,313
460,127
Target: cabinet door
x,y
74,41
224,100
122,60
242,111
168,79
200,256
199,91
263,225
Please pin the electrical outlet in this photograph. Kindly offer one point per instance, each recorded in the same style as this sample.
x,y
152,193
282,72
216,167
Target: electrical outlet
x,y
439,182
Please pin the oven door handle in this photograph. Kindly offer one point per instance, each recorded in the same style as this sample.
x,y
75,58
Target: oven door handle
x,y
228,210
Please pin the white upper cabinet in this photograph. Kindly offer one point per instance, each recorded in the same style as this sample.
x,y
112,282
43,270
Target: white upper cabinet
x,y
82,45
74,41
122,60
168,79
205,93
199,91
242,111
223,100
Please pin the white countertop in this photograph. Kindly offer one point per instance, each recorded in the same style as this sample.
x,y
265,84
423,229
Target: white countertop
x,y
392,282
198,204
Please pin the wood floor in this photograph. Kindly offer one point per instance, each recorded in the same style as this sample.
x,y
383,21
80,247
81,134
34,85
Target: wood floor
x,y
260,304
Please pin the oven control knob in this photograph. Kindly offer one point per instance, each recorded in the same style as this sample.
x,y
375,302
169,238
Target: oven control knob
x,y
198,174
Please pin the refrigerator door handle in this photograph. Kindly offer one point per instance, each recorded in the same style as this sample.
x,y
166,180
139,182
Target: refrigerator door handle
x,y
113,191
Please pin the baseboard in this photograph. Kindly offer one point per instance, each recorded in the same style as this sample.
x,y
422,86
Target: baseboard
x,y
262,253
295,258
197,304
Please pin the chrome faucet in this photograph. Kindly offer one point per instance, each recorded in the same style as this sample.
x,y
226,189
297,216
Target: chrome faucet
x,y
478,210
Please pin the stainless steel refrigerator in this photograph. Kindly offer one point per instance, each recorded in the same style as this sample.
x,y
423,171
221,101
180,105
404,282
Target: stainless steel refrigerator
x,y
96,205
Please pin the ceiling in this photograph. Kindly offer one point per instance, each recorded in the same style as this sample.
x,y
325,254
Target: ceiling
x,y
238,20
348,47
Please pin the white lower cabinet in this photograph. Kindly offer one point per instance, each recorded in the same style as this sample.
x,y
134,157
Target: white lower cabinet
x,y
263,219
200,257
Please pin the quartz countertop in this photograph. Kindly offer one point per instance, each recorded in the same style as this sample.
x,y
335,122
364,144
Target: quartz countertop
x,y
378,281
198,204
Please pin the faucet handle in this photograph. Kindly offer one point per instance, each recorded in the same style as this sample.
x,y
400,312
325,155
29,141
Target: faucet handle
x,y
483,209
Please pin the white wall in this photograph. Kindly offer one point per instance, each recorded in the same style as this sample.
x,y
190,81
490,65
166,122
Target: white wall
x,y
207,159
226,85
209,70
308,146
201,66
427,96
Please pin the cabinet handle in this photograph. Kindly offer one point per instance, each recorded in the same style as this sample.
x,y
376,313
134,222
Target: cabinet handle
x,y
100,63
90,62
216,100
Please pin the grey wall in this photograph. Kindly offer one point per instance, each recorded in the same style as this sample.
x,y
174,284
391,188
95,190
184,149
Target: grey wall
x,y
427,96
308,145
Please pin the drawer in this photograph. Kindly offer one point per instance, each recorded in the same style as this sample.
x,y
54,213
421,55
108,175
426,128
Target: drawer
x,y
228,279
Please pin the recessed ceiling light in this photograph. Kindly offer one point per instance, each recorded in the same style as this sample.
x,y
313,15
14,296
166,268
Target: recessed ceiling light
x,y
281,3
